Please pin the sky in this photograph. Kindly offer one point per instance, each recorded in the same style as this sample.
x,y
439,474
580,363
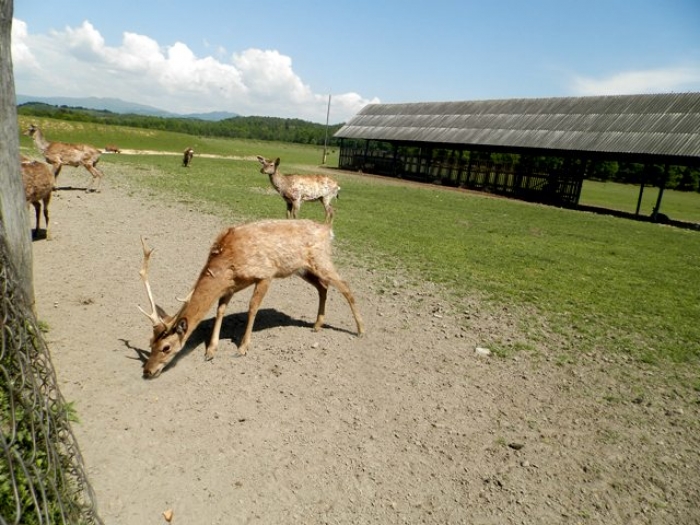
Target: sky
x,y
285,58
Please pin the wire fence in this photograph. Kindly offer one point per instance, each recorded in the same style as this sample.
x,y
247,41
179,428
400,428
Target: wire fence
x,y
42,476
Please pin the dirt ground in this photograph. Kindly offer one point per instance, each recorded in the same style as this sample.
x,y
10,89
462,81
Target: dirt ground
x,y
409,424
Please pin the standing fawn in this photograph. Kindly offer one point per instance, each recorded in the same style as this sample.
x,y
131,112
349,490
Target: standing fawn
x,y
60,154
295,189
241,256
38,180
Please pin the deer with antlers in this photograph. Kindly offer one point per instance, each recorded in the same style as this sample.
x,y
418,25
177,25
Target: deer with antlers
x,y
252,254
38,180
60,154
296,189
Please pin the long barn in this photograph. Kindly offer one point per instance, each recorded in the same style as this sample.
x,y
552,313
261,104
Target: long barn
x,y
462,143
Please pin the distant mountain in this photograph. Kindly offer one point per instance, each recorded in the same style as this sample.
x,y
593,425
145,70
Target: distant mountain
x,y
116,105
213,115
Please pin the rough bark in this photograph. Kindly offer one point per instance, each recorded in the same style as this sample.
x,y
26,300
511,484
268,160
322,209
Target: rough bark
x,y
13,221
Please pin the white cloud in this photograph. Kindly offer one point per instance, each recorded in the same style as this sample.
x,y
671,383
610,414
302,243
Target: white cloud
x,y
20,49
78,62
663,80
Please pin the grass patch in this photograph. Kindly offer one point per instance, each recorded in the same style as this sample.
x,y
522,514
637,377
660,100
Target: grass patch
x,y
678,205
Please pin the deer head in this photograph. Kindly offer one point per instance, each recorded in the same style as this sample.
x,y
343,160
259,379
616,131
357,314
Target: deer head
x,y
32,130
268,167
169,332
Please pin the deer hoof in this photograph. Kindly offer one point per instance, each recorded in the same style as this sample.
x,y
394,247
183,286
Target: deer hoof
x,y
209,354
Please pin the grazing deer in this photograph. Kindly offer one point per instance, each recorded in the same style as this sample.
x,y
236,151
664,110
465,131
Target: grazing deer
x,y
295,189
38,180
187,157
241,256
59,154
112,148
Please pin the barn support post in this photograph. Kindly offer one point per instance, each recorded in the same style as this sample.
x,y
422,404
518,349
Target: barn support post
x,y
427,164
395,160
468,180
586,164
365,151
460,169
655,214
641,189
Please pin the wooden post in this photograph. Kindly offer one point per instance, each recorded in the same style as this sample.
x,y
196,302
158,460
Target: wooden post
x,y
662,187
13,220
641,188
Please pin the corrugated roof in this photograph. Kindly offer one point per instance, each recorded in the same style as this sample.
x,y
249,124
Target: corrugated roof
x,y
663,124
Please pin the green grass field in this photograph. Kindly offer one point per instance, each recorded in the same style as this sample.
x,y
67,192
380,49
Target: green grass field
x,y
601,283
678,205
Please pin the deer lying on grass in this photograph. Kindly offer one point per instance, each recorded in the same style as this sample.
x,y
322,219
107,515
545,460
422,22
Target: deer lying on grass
x,y
38,180
60,154
295,189
241,256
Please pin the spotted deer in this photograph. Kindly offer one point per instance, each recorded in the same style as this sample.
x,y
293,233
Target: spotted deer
x,y
296,189
38,180
251,254
60,154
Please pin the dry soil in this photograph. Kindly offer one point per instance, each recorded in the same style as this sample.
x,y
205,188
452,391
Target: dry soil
x,y
408,424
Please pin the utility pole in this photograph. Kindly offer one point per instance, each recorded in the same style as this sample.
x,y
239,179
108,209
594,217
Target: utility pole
x,y
325,140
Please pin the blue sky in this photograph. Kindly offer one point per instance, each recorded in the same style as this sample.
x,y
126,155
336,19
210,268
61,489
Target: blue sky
x,y
283,58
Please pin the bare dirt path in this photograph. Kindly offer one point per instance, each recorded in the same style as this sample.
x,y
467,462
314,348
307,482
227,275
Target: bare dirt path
x,y
405,425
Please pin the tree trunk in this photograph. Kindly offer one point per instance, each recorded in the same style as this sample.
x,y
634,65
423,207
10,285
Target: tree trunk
x,y
13,220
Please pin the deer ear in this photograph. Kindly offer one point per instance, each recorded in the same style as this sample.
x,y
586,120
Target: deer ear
x,y
261,160
181,326
277,162
163,314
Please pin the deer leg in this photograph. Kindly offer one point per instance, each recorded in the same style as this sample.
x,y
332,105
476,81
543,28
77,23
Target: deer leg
x,y
343,287
46,214
37,212
259,292
56,171
322,288
96,177
295,208
214,341
289,209
327,207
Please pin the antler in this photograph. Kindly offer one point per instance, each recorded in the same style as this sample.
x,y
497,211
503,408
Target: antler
x,y
153,316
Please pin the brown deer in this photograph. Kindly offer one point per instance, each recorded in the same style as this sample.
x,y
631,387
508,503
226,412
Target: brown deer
x,y
38,180
295,189
60,154
241,256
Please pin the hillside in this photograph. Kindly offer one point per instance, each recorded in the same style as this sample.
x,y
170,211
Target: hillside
x,y
257,128
115,105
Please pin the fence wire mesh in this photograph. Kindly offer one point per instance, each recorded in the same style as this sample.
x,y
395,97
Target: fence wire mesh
x,y
42,475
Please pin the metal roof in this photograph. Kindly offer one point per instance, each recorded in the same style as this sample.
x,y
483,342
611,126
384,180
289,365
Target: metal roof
x,y
661,124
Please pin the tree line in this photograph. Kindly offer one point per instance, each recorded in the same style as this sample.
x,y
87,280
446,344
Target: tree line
x,y
258,128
